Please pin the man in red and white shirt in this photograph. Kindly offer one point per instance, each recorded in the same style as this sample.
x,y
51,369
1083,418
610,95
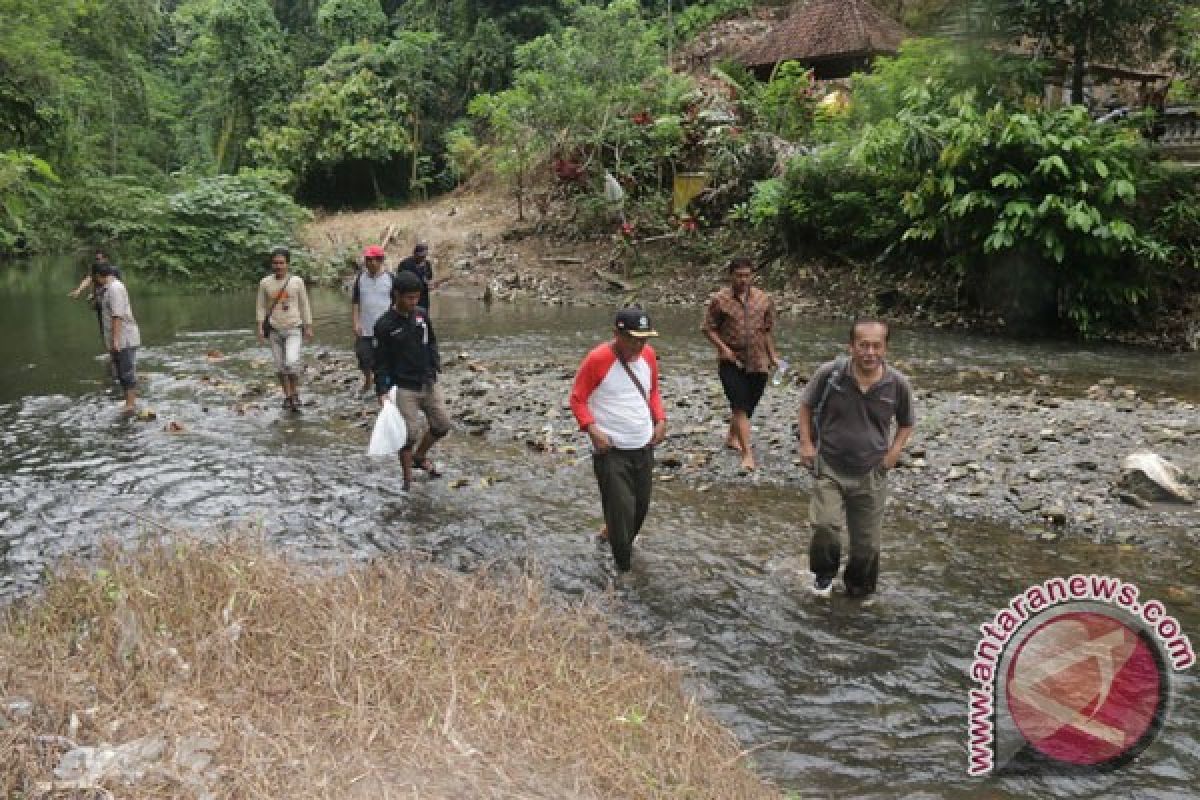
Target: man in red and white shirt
x,y
615,399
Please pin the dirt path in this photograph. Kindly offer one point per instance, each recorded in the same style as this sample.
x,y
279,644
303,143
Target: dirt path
x,y
477,242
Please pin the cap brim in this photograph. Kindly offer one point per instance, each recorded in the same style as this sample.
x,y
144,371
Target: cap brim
x,y
642,334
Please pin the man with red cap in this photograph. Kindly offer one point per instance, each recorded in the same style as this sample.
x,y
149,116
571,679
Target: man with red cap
x,y
370,299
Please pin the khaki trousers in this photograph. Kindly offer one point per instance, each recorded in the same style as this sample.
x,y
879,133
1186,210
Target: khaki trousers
x,y
859,500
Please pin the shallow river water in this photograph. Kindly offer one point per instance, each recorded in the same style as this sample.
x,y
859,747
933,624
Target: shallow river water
x,y
833,698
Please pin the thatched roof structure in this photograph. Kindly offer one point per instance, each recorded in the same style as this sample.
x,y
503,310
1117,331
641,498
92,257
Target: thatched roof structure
x,y
839,35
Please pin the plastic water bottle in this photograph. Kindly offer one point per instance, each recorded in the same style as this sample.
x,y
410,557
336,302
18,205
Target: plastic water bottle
x,y
781,368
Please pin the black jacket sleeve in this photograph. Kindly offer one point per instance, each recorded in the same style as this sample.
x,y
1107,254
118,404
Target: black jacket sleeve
x,y
383,357
435,356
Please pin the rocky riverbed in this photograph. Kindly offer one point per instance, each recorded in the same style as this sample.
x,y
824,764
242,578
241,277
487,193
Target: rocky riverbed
x,y
1012,448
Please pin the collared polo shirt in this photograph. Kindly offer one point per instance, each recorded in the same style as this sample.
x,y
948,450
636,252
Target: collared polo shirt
x,y
856,427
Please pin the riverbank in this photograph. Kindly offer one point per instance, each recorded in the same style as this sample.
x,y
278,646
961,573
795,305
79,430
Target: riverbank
x,y
224,670
481,249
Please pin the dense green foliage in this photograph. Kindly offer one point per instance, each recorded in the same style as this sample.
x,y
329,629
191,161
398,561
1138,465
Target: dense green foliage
x,y
949,177
212,231
182,133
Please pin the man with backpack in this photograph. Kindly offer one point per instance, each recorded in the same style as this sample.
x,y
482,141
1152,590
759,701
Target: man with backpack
x,y
846,435
370,300
420,265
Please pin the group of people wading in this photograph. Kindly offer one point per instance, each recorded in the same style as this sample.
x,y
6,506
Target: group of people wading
x,y
855,416
394,342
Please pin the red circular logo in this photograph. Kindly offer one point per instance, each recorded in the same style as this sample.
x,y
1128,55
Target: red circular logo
x,y
1085,689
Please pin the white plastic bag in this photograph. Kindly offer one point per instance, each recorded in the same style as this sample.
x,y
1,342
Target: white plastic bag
x,y
613,192
390,432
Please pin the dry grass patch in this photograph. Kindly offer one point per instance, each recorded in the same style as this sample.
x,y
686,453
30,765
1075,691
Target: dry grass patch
x,y
223,670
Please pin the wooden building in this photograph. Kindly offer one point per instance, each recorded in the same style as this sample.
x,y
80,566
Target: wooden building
x,y
833,37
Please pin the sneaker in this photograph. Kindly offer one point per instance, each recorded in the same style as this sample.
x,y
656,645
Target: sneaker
x,y
822,588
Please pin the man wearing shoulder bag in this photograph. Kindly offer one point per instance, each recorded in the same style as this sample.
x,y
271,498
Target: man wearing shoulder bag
x,y
284,317
616,401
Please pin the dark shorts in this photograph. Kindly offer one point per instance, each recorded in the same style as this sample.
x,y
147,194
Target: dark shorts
x,y
126,364
364,349
743,389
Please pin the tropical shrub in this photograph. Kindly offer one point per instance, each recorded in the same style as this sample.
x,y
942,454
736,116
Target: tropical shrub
x,y
1050,195
26,183
213,233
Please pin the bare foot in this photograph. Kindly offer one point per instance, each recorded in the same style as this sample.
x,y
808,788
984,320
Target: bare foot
x,y
748,464
603,534
731,444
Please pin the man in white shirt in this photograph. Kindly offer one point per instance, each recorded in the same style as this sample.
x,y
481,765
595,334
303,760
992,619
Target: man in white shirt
x,y
370,300
121,334
616,401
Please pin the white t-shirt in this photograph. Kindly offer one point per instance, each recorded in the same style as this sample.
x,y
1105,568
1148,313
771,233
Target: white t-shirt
x,y
115,303
373,295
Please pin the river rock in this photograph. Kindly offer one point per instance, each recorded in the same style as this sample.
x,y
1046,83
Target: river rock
x,y
1152,478
1028,504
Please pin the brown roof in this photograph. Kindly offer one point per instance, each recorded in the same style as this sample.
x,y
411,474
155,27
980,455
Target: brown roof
x,y
822,29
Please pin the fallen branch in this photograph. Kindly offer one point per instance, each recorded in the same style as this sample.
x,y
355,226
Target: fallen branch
x,y
657,238
615,280
561,259
387,237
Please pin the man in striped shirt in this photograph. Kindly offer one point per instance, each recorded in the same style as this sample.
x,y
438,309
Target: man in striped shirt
x,y
616,401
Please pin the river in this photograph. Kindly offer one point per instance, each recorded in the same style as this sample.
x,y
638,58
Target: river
x,y
834,699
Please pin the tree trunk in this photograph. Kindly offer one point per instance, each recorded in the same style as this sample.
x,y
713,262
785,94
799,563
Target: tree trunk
x,y
521,195
225,138
1077,67
416,151
378,194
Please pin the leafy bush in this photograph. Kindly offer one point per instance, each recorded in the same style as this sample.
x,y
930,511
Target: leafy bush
x,y
464,155
1048,193
829,202
25,188
785,104
214,233
697,17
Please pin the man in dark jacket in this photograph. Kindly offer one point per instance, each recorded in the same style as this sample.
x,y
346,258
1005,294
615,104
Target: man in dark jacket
x,y
407,359
420,265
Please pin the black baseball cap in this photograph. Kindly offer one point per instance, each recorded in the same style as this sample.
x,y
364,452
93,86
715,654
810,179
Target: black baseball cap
x,y
635,322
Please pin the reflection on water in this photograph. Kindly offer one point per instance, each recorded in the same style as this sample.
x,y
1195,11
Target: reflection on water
x,y
835,699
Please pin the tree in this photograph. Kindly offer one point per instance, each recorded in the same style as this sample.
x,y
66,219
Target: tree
x,y
233,67
342,22
367,104
1083,31
24,188
520,136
